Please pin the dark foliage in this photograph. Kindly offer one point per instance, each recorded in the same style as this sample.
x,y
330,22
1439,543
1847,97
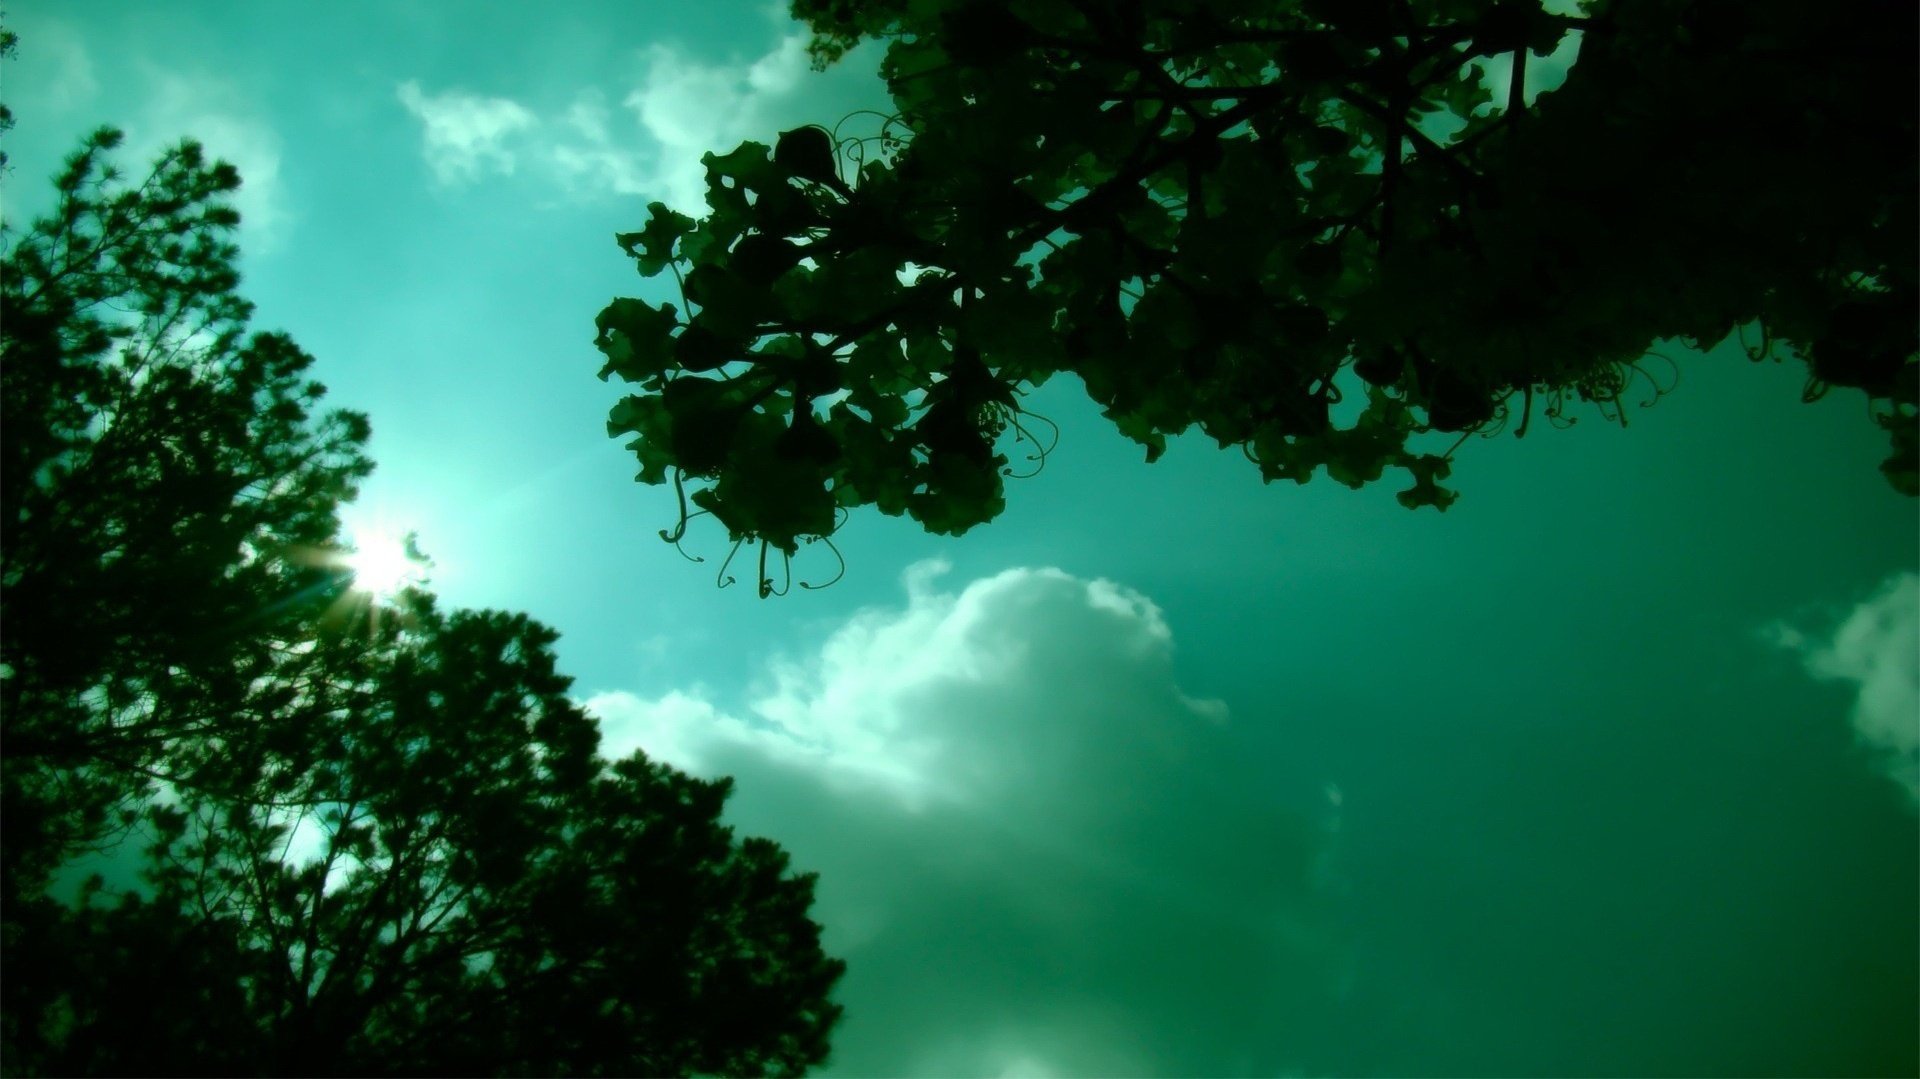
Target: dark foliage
x,y
1234,215
166,492
376,839
420,866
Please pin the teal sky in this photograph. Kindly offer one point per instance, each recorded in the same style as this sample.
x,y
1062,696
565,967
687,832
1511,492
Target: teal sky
x,y
1610,769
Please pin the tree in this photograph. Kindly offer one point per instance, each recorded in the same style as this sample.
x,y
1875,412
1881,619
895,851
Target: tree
x,y
1243,215
376,839
168,495
431,871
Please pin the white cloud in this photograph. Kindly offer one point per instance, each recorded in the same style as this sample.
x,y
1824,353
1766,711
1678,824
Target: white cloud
x,y
220,117
678,108
685,108
465,135
586,155
1036,852
1876,647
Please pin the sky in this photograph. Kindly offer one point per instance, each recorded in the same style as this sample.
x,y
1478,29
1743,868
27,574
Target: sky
x,y
1609,769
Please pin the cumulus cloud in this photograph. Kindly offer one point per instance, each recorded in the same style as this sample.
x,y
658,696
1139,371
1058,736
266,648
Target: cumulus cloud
x,y
465,136
1876,647
1037,853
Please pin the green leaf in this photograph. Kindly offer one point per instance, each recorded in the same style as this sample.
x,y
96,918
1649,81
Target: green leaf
x,y
636,338
1427,469
962,491
656,242
731,307
747,165
1141,430
807,153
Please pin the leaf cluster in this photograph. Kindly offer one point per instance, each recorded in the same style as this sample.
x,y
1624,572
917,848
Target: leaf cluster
x,y
1302,226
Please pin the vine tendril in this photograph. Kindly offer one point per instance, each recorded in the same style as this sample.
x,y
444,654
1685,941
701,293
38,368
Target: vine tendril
x,y
1021,434
766,582
837,556
683,550
718,581
680,493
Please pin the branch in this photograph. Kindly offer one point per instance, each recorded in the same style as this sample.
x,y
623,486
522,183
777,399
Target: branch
x,y
1516,87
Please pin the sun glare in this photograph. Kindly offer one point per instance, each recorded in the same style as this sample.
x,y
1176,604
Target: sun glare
x,y
380,565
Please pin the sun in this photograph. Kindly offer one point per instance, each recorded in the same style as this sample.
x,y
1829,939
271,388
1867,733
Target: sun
x,y
381,564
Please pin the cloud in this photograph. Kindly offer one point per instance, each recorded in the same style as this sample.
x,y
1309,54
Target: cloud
x,y
1037,853
687,108
588,158
219,115
678,107
1876,647
55,62
466,136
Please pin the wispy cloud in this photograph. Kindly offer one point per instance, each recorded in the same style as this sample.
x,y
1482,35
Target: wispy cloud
x,y
588,158
219,115
53,59
465,136
686,108
677,108
1876,646
1037,853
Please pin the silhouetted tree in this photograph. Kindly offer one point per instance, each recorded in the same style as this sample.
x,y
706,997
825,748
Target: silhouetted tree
x,y
430,870
168,494
376,840
1235,215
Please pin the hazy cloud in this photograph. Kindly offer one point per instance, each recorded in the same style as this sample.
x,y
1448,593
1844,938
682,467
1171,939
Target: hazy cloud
x,y
1036,852
678,108
687,108
219,115
464,136
588,156
1876,647
53,65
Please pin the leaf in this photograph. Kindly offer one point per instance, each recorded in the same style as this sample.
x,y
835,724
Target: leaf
x,y
636,338
962,491
647,417
1138,428
730,306
807,153
748,165
704,415
759,259
1427,469
656,242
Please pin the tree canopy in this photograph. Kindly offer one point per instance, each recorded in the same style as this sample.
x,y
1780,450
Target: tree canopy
x,y
417,864
378,836
165,486
1305,227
